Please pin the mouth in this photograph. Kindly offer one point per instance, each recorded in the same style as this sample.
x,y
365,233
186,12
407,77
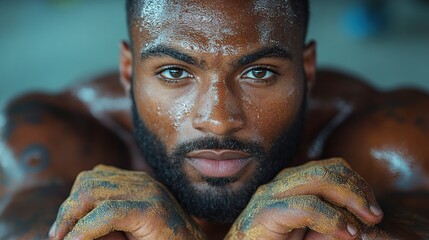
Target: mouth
x,y
218,163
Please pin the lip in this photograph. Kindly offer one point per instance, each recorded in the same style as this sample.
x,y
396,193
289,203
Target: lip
x,y
218,163
218,154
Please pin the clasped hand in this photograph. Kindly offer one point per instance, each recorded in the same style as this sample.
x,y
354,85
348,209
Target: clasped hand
x,y
109,199
318,200
322,199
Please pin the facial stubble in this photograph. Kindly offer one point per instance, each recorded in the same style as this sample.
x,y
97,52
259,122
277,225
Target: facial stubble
x,y
217,202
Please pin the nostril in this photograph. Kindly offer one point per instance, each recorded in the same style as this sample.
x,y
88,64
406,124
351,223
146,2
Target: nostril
x,y
221,125
219,113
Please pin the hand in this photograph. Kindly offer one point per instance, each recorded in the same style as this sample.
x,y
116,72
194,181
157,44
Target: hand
x,y
326,197
108,199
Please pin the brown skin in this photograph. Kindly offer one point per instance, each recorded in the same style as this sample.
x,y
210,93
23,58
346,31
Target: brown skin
x,y
223,100
116,196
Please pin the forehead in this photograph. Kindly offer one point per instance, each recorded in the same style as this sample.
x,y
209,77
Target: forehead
x,y
214,26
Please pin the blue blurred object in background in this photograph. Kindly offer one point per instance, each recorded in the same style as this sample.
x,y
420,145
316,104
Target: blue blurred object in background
x,y
366,18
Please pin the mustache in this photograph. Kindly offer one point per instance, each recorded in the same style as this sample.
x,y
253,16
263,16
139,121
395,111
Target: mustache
x,y
213,143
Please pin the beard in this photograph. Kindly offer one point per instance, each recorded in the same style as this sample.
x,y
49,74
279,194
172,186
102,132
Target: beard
x,y
218,202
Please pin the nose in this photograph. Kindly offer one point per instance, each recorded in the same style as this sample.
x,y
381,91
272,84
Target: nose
x,y
218,111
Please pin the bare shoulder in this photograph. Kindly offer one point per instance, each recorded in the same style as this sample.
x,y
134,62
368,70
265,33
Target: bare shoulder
x,y
386,141
383,135
52,138
45,141
333,98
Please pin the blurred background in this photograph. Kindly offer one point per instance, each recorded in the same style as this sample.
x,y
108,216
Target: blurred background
x,y
49,44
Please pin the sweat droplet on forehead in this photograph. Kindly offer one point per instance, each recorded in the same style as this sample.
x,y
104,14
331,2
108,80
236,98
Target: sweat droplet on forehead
x,y
269,10
266,7
167,18
154,14
212,27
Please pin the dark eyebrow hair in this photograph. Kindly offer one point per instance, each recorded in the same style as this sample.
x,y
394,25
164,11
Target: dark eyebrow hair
x,y
162,50
269,52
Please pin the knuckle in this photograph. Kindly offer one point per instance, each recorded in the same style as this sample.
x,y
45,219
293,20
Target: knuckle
x,y
283,173
319,172
306,202
84,191
90,184
74,196
315,205
64,209
356,183
339,166
100,167
118,206
161,192
343,163
338,160
261,190
161,206
160,202
155,192
311,201
85,186
140,206
83,175
61,213
107,206
81,193
339,180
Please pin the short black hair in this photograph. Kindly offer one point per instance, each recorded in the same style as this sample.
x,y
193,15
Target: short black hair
x,y
301,8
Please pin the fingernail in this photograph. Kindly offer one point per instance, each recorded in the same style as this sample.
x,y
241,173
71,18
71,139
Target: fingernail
x,y
53,230
375,210
351,229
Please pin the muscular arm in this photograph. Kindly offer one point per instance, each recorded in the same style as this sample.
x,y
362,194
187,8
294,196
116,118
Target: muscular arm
x,y
386,144
45,142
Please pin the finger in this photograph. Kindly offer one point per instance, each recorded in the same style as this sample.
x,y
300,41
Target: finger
x,y
115,175
285,215
359,187
102,172
110,169
333,181
102,167
141,219
85,197
93,187
89,195
120,181
68,214
110,216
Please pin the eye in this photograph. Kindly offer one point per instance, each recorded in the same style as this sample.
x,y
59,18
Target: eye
x,y
258,74
175,73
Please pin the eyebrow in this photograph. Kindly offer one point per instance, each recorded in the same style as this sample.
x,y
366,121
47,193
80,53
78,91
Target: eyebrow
x,y
269,52
162,50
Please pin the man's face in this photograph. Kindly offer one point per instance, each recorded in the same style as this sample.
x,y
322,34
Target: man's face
x,y
218,95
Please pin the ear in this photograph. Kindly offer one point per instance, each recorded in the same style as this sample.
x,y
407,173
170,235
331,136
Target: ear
x,y
125,66
310,63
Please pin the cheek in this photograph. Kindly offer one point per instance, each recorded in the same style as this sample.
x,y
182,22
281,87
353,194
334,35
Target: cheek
x,y
164,114
273,112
